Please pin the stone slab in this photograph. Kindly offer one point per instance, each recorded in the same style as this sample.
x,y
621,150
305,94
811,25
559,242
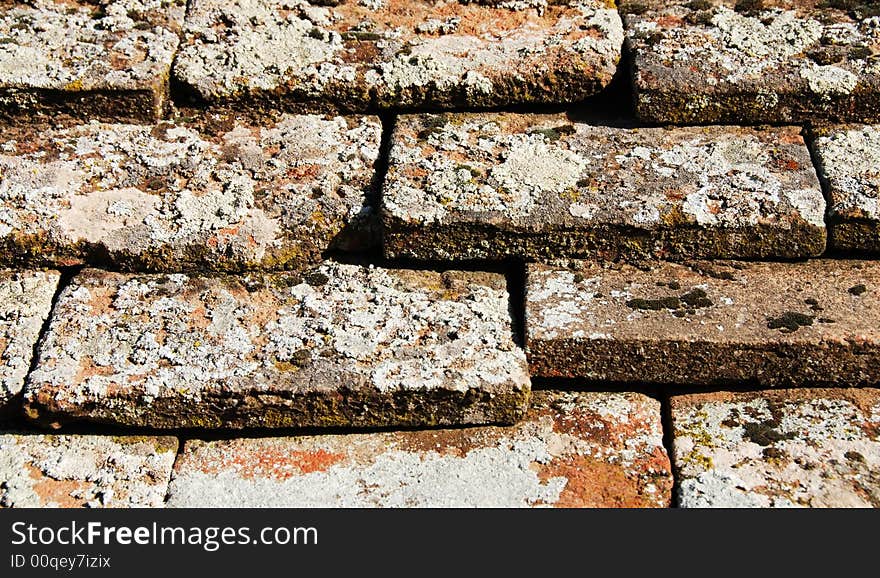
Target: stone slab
x,y
208,192
848,160
794,448
710,323
539,186
572,450
340,345
25,303
71,471
377,54
87,60
753,61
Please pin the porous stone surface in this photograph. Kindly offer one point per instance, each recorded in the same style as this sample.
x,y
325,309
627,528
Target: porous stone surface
x,y
572,450
807,448
375,54
107,60
208,192
709,61
339,345
71,471
849,163
709,323
490,186
25,302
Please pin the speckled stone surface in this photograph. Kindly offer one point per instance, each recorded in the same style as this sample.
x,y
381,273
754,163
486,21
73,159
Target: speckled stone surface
x,y
849,162
810,448
710,323
708,61
490,186
340,345
25,301
374,54
201,193
572,450
71,471
87,60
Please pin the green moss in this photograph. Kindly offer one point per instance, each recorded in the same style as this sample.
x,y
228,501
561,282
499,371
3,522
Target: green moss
x,y
555,133
163,444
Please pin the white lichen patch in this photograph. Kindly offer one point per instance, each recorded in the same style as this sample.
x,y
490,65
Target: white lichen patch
x,y
818,449
82,46
131,343
850,160
537,173
250,196
531,464
829,80
391,53
52,471
25,301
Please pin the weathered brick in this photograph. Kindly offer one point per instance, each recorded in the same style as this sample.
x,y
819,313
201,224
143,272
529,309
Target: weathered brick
x,y
25,301
755,61
84,59
375,54
709,323
69,471
490,186
204,193
810,447
340,345
572,450
849,163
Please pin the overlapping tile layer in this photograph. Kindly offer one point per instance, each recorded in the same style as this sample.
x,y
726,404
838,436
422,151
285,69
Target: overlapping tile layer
x,y
341,345
84,59
709,323
369,54
209,192
491,186
849,162
735,61
784,448
571,450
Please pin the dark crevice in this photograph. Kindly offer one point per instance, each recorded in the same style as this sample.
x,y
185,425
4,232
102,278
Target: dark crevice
x,y
516,291
587,385
666,421
181,441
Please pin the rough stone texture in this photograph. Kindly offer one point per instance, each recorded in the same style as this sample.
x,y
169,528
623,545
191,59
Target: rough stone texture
x,y
712,323
709,61
374,54
107,60
69,471
572,450
341,345
25,302
202,193
813,448
849,163
478,186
